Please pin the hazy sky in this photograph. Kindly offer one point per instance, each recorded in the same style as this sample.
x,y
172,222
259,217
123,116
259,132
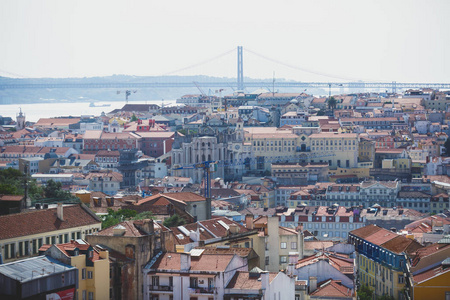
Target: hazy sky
x,y
406,41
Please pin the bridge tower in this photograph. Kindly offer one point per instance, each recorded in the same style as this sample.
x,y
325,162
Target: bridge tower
x,y
240,69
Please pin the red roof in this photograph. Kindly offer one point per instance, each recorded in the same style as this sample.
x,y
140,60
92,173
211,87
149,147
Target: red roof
x,y
246,281
45,220
332,288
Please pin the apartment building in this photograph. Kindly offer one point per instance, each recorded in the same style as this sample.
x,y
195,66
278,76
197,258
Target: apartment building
x,y
92,265
381,259
338,149
22,234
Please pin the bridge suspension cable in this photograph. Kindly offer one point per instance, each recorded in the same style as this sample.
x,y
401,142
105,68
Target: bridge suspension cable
x,y
200,63
299,68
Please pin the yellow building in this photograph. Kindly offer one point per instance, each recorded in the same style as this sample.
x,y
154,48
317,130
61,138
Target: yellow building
x,y
23,234
381,259
338,149
432,284
92,265
270,144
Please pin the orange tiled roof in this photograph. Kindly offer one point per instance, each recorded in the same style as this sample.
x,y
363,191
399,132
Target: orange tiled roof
x,y
45,220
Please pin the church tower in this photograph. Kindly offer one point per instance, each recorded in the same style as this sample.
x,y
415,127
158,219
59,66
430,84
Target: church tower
x,y
20,120
239,130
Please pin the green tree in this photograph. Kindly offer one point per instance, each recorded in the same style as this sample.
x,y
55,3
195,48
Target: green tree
x,y
174,221
54,190
321,113
115,217
133,118
447,147
332,103
144,215
12,182
365,293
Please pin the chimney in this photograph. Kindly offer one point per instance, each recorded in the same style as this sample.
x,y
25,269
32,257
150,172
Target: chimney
x,y
119,230
249,221
194,235
185,261
293,257
290,269
265,280
59,211
312,284
234,229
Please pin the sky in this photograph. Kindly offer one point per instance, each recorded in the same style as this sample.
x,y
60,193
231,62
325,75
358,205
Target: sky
x,y
379,40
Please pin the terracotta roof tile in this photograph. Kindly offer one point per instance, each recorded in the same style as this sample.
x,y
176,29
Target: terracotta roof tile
x,y
332,289
45,220
246,281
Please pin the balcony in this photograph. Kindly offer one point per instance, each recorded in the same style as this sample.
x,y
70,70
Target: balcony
x,y
202,290
162,288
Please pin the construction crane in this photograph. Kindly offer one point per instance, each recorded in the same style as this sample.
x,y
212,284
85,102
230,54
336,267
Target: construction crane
x,y
199,88
127,93
208,167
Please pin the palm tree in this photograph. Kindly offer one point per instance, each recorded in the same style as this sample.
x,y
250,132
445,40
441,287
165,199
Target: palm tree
x,y
332,103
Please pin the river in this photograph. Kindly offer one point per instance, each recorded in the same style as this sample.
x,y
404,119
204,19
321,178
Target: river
x,y
33,112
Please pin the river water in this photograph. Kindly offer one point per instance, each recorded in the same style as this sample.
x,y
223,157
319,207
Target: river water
x,y
33,112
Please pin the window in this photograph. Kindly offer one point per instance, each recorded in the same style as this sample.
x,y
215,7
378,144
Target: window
x,y
193,282
83,274
267,260
293,245
91,295
283,245
89,273
84,294
401,279
155,280
283,259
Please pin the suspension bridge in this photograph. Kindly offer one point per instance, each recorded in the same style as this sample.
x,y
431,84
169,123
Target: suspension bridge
x,y
167,81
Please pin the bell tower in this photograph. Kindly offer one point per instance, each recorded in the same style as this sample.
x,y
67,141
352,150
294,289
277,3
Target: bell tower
x,y
20,120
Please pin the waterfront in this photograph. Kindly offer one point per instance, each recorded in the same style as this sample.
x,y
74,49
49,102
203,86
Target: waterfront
x,y
34,112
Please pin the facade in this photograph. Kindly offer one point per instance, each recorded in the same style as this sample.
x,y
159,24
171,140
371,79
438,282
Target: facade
x,y
381,259
383,193
338,149
279,243
196,275
96,140
22,234
417,200
200,149
134,241
41,277
105,182
324,222
300,173
92,265
260,285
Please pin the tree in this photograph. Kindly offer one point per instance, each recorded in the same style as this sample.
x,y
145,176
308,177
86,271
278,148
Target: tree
x,y
365,293
115,217
174,221
332,103
54,190
321,113
12,182
144,215
133,118
447,147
